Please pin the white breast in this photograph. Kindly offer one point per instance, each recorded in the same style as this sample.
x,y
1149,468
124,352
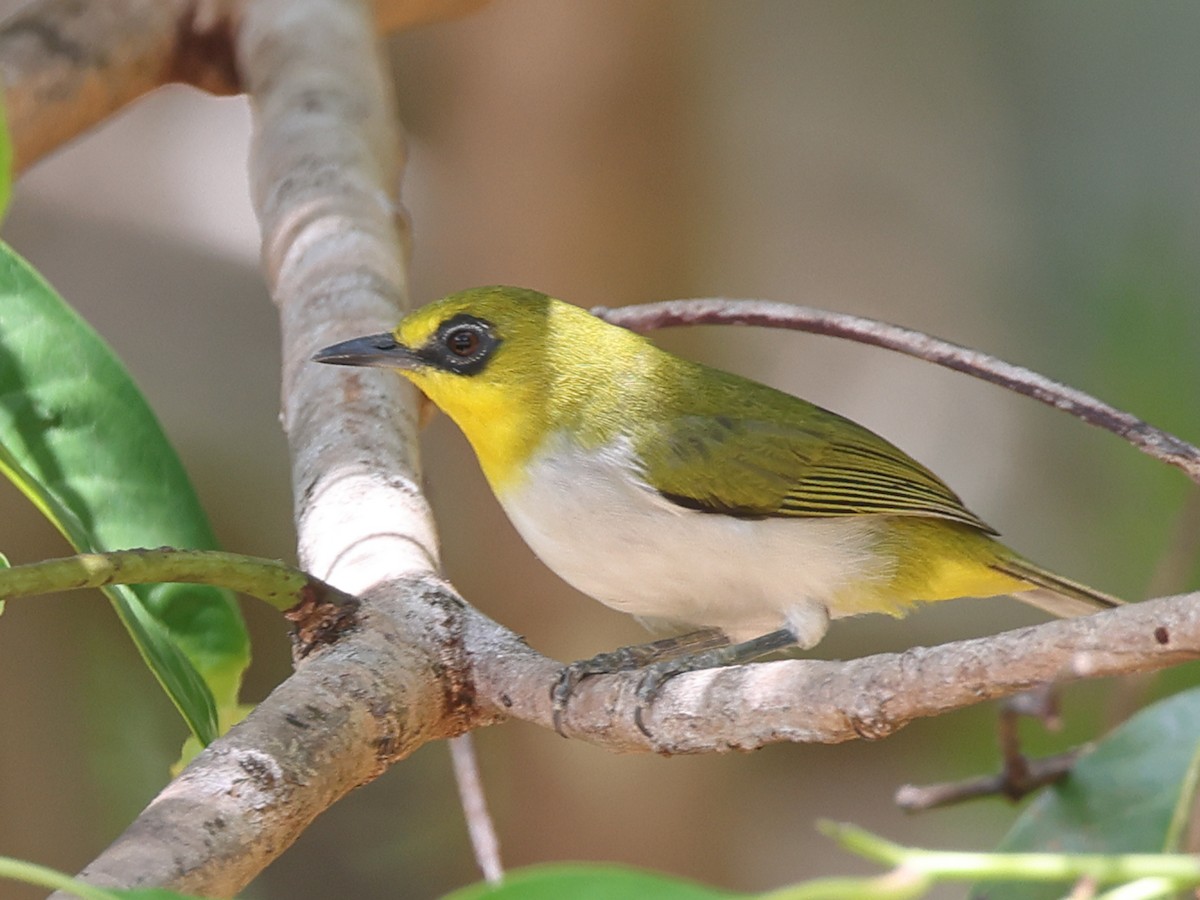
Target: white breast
x,y
588,516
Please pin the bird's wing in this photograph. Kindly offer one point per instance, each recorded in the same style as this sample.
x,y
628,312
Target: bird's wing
x,y
825,466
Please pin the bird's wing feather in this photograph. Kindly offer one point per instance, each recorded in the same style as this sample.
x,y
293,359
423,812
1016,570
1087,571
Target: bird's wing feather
x,y
825,466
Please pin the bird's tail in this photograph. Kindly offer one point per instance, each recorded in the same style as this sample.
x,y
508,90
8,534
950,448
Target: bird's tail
x,y
1054,594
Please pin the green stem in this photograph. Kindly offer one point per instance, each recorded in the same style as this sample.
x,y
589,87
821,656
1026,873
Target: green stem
x,y
1181,869
899,884
31,873
1142,889
860,841
278,584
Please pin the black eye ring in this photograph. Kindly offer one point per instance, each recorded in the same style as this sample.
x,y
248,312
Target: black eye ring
x,y
463,344
463,341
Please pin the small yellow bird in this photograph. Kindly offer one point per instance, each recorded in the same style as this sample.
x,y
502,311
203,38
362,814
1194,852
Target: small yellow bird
x,y
676,492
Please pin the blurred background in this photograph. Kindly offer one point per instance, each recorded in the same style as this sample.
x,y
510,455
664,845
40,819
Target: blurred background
x,y
1020,178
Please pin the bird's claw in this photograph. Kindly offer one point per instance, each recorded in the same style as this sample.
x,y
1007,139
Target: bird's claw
x,y
658,662
560,693
654,676
651,682
623,659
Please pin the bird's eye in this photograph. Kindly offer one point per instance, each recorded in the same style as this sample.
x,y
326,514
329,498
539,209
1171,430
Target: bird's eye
x,y
463,344
463,341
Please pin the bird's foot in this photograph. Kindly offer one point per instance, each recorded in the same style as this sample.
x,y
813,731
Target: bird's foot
x,y
619,660
656,674
627,659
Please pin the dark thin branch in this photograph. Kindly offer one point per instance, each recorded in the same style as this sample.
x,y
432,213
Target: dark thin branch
x,y
1153,441
1040,772
1019,775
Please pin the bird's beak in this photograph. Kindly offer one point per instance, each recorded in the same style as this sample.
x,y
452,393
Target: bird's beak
x,y
373,350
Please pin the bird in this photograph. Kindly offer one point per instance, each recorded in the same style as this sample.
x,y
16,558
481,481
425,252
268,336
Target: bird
x,y
686,495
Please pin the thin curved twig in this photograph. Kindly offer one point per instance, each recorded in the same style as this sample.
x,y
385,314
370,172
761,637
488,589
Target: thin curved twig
x,y
1038,773
1153,441
480,827
1019,775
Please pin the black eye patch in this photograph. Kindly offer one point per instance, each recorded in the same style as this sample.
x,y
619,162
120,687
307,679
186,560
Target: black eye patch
x,y
463,344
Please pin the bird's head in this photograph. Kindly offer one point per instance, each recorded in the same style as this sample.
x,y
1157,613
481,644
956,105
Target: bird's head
x,y
462,346
495,359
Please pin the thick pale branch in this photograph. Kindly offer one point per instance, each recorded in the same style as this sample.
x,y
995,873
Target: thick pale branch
x,y
829,702
349,712
374,697
325,164
721,311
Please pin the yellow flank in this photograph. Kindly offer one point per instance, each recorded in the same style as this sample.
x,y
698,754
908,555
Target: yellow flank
x,y
949,579
939,560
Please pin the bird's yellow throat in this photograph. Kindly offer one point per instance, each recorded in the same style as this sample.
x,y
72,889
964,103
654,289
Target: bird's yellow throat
x,y
552,370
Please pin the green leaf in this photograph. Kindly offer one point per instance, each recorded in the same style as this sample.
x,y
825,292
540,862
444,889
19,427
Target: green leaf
x,y
80,441
588,882
174,671
1130,795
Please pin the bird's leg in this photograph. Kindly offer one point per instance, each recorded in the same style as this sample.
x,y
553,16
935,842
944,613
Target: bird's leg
x,y
626,659
657,673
